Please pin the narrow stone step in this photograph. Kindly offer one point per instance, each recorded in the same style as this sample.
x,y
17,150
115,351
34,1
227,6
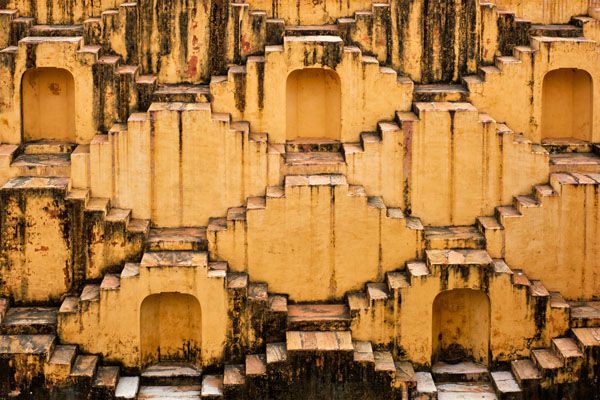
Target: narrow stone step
x,y
311,145
29,321
63,354
130,270
278,303
357,302
417,269
56,30
98,205
566,145
318,317
128,387
566,349
587,337
506,385
69,305
405,374
217,269
234,375
466,391
182,93
575,162
237,280
505,213
426,389
453,237
177,239
377,291
520,279
312,30
59,366
192,392
585,314
256,365
556,30
440,92
105,383
89,293
258,292
447,258
34,345
384,362
319,341
537,289
466,371
298,163
363,352
525,372
118,216
558,301
171,373
48,147
212,386
51,165
85,367
546,359
173,259
397,280
276,353
138,226
110,282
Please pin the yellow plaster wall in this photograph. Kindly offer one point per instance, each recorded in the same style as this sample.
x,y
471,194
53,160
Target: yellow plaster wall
x,y
35,252
179,164
461,317
61,11
48,105
558,242
545,11
522,109
306,12
170,328
112,326
465,162
54,53
264,94
316,241
511,314
567,104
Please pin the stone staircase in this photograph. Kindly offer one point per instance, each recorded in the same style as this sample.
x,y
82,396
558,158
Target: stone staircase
x,y
28,336
492,227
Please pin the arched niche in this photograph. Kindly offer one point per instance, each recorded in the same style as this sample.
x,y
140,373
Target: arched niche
x,y
567,104
48,104
170,328
313,104
461,326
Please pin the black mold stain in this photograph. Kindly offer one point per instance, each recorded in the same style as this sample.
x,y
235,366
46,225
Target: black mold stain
x,y
469,39
164,22
30,61
403,10
260,70
131,34
240,91
217,51
438,21
236,21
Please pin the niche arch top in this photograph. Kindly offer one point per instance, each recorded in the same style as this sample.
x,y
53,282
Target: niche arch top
x,y
48,104
170,328
567,104
313,104
461,326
